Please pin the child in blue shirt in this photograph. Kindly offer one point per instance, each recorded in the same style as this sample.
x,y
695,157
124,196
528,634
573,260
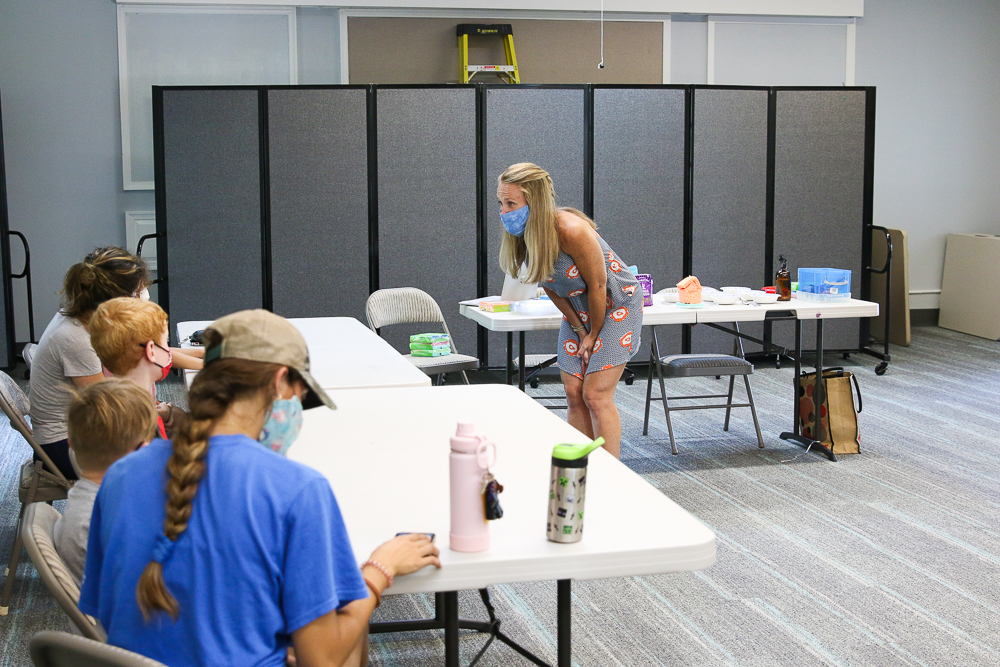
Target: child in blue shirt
x,y
213,550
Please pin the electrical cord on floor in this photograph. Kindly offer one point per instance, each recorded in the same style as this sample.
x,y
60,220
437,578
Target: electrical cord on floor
x,y
797,456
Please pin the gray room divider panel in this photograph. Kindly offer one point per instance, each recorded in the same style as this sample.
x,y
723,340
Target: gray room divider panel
x,y
639,185
729,198
212,227
819,171
318,149
527,124
427,200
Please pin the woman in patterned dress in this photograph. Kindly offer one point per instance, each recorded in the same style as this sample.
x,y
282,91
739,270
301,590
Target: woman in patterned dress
x,y
600,299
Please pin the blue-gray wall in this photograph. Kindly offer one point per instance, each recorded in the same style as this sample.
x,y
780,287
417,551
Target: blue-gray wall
x,y
59,77
936,66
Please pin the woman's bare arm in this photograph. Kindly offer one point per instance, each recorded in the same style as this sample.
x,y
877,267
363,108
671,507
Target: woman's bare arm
x,y
183,359
565,307
329,640
87,380
578,240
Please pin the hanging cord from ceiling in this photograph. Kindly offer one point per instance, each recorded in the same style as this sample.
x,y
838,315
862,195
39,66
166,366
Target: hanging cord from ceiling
x,y
600,65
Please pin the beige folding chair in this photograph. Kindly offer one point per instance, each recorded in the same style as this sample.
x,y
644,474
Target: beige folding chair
x,y
40,481
39,521
61,649
403,305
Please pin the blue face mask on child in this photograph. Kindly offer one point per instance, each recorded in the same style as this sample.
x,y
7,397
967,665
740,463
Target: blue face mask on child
x,y
282,425
515,221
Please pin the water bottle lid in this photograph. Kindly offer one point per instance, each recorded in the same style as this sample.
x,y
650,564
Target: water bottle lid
x,y
466,439
568,452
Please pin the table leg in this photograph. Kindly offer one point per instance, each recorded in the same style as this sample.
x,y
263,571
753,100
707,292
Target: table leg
x,y
794,435
450,600
510,356
520,358
818,386
564,623
798,374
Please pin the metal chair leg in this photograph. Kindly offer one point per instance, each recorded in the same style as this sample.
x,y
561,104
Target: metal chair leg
x,y
15,554
753,411
15,559
654,361
729,402
649,392
465,377
666,407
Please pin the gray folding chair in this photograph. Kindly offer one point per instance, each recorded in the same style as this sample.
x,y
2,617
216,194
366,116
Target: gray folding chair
x,y
39,481
699,365
39,521
404,305
61,649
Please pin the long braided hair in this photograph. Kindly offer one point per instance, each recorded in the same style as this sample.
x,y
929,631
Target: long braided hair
x,y
214,389
104,274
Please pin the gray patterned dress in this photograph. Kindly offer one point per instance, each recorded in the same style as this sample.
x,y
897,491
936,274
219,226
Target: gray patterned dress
x,y
619,339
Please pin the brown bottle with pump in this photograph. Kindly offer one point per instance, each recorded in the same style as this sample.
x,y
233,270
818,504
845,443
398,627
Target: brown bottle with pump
x,y
783,281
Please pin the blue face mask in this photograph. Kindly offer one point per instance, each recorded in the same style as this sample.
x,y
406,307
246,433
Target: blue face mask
x,y
282,425
515,221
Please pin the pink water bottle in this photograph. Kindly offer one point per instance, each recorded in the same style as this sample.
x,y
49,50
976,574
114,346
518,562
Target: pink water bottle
x,y
471,456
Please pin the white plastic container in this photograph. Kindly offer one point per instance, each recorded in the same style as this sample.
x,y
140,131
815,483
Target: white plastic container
x,y
724,298
535,307
763,297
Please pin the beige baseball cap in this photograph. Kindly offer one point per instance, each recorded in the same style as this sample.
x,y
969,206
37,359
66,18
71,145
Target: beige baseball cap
x,y
260,335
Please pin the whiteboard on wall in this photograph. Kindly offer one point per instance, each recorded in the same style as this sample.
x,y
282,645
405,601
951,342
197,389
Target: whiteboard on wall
x,y
754,52
193,46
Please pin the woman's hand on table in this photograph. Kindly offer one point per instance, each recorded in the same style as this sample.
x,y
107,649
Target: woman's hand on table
x,y
405,554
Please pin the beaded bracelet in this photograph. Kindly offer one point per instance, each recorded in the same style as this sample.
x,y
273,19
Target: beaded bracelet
x,y
374,590
381,568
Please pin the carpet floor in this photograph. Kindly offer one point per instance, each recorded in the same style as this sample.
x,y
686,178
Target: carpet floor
x,y
891,557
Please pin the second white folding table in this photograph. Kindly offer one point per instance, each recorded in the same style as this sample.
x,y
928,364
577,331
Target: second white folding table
x,y
343,354
710,314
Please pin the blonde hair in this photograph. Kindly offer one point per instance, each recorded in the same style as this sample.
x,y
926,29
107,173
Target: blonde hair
x,y
214,389
120,328
539,247
102,275
106,421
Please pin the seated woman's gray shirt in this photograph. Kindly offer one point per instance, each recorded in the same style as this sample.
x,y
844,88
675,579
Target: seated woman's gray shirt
x,y
63,353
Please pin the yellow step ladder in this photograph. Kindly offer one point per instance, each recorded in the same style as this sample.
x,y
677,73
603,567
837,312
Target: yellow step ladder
x,y
495,30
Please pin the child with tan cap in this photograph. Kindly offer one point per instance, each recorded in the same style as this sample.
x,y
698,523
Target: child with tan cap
x,y
106,421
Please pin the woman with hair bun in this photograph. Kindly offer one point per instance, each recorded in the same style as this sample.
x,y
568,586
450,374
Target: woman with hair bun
x,y
600,299
65,358
213,549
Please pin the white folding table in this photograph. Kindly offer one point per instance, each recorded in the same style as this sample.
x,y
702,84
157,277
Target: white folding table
x,y
343,354
711,314
391,475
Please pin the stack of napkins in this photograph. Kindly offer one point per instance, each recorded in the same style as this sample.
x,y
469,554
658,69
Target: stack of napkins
x,y
430,345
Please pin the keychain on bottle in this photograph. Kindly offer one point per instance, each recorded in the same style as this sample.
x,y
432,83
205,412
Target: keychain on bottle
x,y
491,496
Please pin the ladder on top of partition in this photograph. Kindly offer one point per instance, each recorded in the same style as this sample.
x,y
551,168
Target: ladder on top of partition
x,y
503,30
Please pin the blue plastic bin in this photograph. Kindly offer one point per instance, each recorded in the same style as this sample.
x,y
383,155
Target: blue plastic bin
x,y
824,284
